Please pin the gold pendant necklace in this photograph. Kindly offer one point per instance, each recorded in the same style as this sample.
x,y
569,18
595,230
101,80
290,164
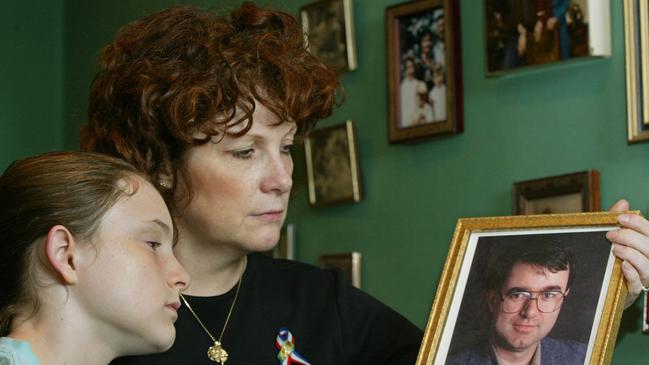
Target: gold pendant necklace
x,y
216,352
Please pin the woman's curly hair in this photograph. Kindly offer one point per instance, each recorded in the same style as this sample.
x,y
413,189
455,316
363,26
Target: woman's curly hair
x,y
171,74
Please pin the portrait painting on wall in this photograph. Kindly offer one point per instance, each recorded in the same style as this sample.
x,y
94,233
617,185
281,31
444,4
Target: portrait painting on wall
x,y
569,193
534,286
332,165
521,33
348,263
424,69
329,32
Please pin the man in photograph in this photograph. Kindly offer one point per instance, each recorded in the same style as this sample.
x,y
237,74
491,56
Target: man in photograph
x,y
526,286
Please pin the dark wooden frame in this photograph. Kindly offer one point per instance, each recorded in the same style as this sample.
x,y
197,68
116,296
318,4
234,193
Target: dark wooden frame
x,y
348,263
584,182
453,123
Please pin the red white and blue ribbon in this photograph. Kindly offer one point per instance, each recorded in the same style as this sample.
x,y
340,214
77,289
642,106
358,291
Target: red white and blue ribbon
x,y
287,355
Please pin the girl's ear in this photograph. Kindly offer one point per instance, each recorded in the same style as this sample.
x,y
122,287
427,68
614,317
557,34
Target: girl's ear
x,y
60,250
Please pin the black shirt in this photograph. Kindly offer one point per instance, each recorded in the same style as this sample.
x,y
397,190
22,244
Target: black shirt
x,y
331,321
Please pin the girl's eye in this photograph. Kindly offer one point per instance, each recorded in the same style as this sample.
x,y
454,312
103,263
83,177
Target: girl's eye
x,y
154,245
286,149
243,154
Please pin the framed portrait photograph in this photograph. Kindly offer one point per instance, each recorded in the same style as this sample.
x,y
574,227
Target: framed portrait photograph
x,y
636,41
333,174
329,32
569,193
524,33
542,286
424,69
348,263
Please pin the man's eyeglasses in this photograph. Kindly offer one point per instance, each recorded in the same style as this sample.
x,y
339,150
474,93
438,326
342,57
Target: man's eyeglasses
x,y
546,301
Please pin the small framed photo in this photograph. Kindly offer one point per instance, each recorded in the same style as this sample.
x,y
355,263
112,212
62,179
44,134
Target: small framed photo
x,y
285,248
424,69
332,165
645,314
527,286
570,193
521,34
329,32
348,263
636,40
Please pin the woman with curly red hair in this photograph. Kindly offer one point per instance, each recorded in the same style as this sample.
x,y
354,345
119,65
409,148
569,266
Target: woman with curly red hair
x,y
209,107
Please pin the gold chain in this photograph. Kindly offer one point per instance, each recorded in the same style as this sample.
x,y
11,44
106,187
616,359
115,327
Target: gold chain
x,y
217,353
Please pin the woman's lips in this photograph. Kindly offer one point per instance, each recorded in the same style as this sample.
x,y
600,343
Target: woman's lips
x,y
270,216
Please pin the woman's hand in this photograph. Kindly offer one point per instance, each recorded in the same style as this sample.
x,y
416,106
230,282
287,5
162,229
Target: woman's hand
x,y
631,244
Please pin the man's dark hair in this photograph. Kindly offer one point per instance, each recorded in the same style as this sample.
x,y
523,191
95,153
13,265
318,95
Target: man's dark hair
x,y
537,251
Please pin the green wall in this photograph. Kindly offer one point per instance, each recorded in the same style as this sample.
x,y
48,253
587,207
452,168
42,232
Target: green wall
x,y
31,86
537,123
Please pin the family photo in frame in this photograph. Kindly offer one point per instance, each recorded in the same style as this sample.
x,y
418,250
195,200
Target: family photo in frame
x,y
544,285
523,33
568,193
424,69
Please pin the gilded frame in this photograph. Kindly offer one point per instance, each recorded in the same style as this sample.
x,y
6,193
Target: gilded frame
x,y
437,70
328,27
348,263
333,172
636,42
448,297
528,196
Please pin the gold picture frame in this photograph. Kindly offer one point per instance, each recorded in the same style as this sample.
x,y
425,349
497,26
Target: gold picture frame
x,y
332,167
477,239
328,27
636,44
569,193
424,70
348,263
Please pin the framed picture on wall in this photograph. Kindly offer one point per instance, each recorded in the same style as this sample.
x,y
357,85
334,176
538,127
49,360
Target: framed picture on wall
x,y
285,248
424,69
645,314
332,168
502,271
636,40
539,32
348,263
570,193
329,32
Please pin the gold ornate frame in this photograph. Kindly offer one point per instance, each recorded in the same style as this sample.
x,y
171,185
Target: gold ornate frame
x,y
612,304
636,42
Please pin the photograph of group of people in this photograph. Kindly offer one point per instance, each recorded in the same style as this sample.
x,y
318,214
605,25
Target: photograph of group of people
x,y
422,93
533,32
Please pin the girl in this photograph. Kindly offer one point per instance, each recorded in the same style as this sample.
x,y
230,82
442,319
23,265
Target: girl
x,y
88,268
